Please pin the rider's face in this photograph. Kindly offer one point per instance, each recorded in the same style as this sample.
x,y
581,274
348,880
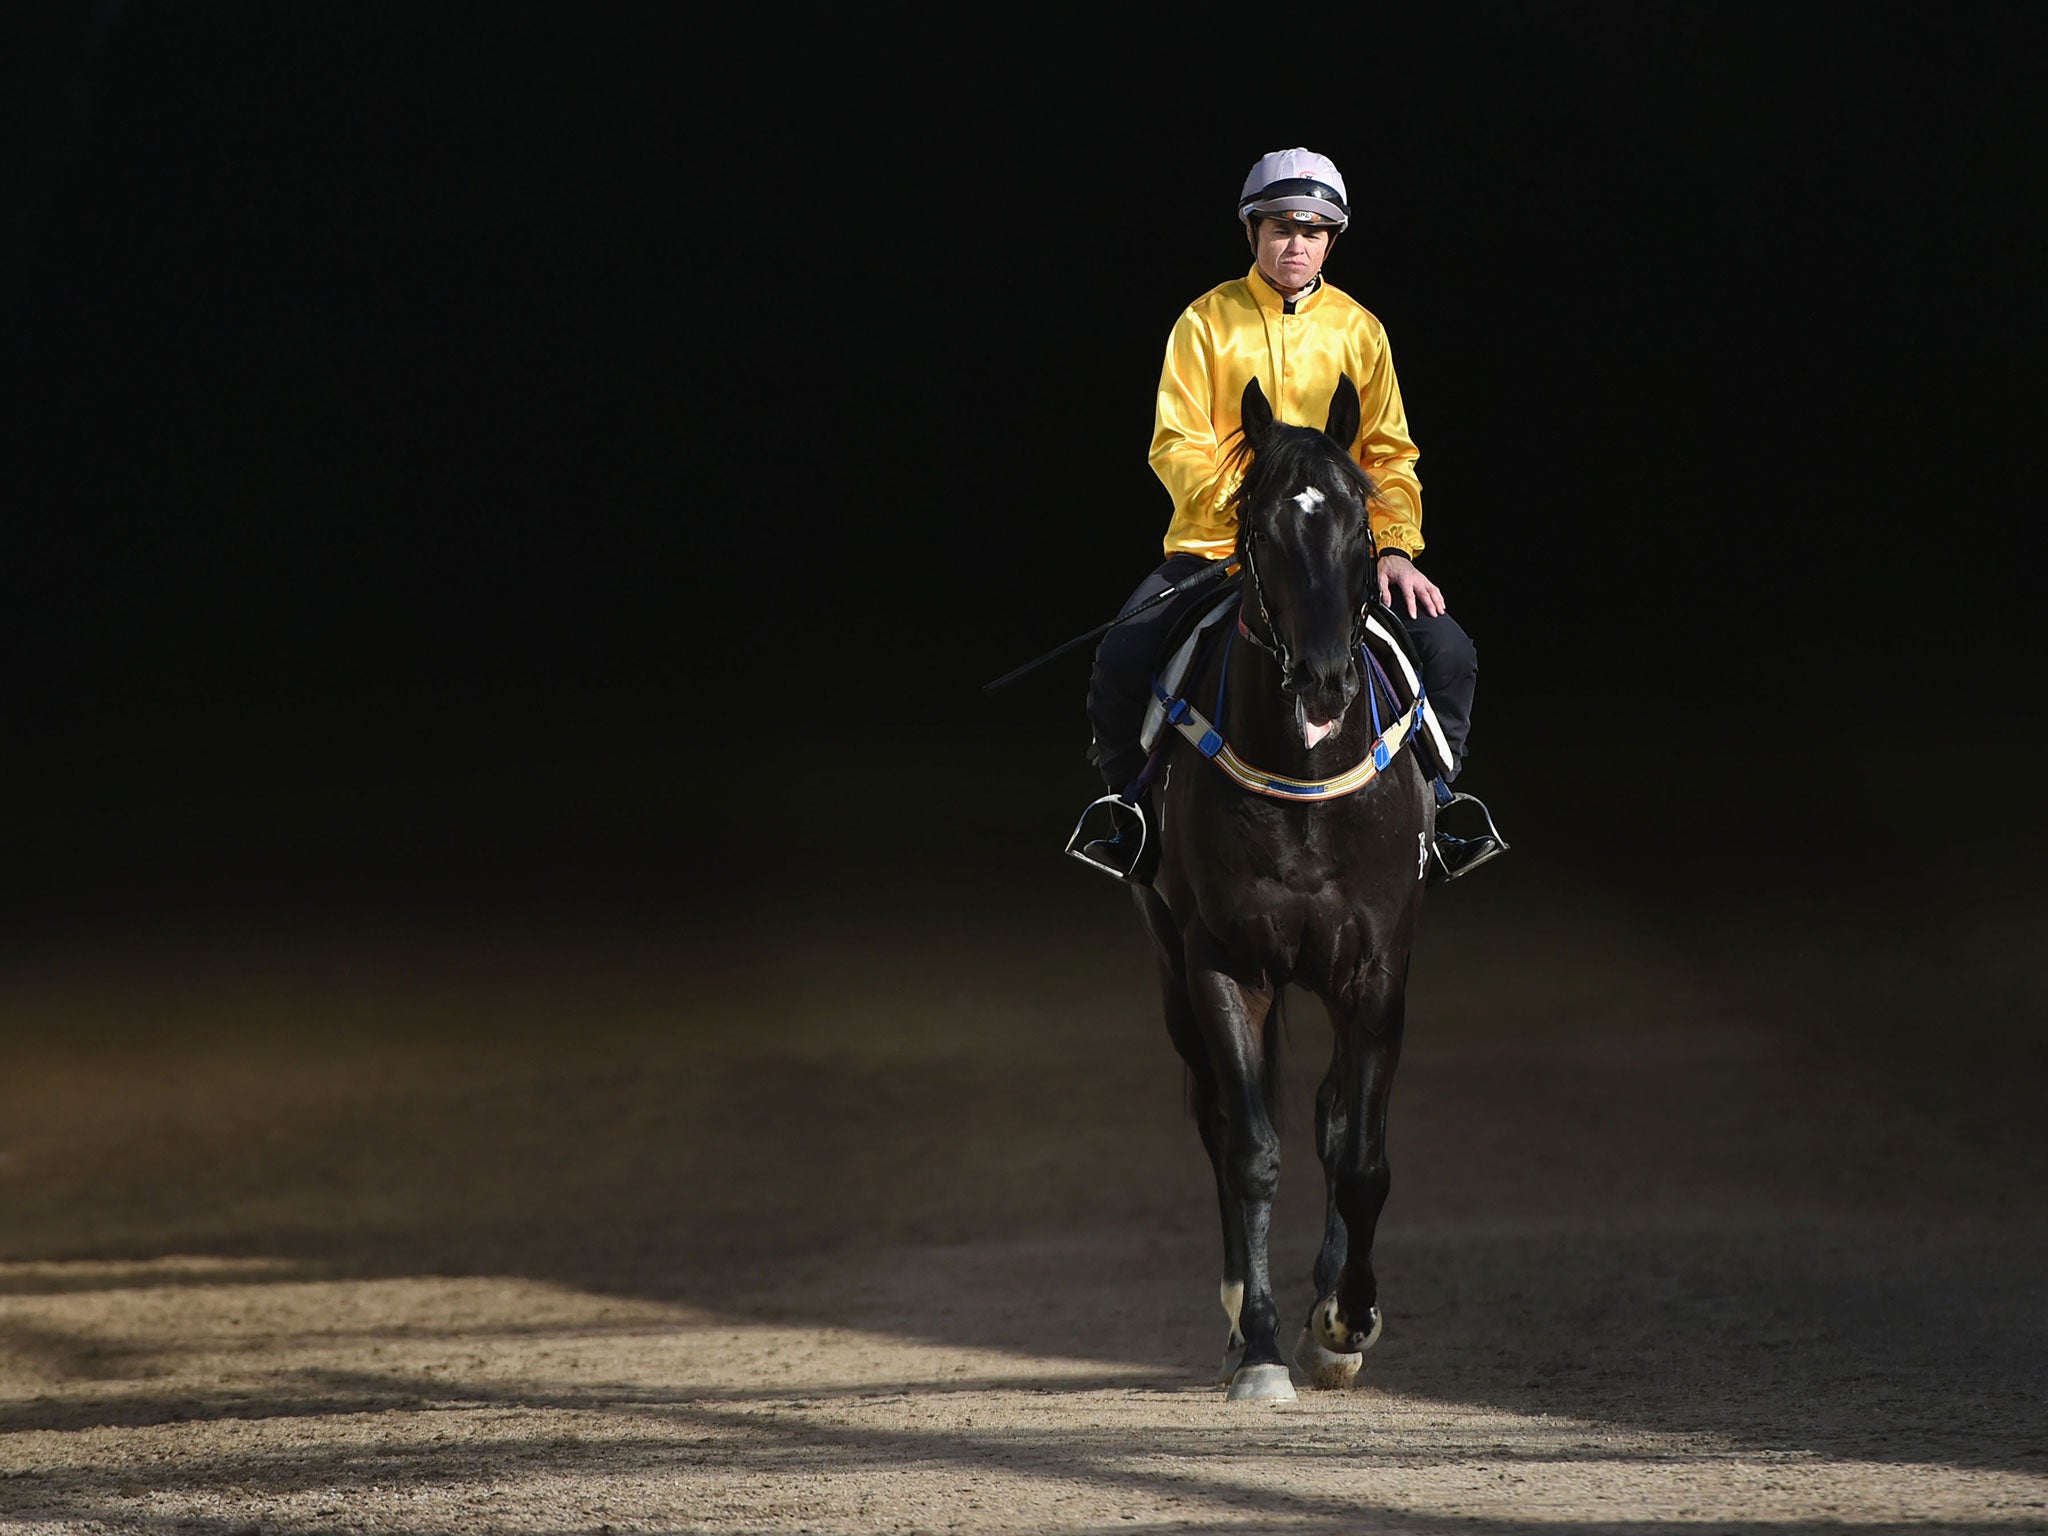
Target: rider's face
x,y
1290,254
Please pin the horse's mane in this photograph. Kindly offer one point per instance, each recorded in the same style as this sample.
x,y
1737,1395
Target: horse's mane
x,y
1289,454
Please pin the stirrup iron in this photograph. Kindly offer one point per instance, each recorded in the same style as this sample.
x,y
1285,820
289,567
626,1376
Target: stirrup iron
x,y
1443,871
1122,816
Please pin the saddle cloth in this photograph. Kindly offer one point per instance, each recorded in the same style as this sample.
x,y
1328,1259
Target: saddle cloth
x,y
1381,637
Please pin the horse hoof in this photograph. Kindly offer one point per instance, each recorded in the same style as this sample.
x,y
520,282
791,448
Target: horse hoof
x,y
1322,1367
1233,1357
1261,1384
1339,1338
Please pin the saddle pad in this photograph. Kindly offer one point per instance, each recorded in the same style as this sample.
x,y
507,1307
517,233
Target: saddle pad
x,y
1391,647
1177,664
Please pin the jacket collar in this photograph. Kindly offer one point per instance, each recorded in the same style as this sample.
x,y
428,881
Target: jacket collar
x,y
1269,296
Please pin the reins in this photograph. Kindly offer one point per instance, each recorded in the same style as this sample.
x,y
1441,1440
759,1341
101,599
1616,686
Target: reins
x,y
1276,647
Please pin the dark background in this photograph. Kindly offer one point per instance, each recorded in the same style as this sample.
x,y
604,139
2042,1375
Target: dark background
x,y
507,519
491,456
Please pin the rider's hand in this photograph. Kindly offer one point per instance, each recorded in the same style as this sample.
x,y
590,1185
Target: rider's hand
x,y
1419,594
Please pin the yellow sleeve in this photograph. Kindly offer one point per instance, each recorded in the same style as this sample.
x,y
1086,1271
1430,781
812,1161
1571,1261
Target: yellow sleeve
x,y
1389,456
1187,450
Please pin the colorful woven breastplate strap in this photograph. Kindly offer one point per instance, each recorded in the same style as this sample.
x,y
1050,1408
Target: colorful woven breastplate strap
x,y
1208,741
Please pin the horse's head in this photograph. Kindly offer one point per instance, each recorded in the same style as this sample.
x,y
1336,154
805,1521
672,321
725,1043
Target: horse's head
x,y
1306,550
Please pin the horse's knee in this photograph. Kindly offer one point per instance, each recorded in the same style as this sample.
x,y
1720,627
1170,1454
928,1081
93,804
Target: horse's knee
x,y
1332,1120
1255,1164
1362,1189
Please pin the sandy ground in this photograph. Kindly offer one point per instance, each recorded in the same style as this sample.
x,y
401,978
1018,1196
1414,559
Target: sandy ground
x,y
870,1205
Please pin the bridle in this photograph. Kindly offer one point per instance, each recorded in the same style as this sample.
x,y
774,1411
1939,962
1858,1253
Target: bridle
x,y
1207,737
1270,642
1274,647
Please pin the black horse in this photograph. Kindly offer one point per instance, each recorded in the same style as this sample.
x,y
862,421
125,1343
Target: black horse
x,y
1306,871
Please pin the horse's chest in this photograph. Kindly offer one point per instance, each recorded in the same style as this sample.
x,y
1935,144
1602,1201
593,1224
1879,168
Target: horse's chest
x,y
1296,900
1318,942
1298,920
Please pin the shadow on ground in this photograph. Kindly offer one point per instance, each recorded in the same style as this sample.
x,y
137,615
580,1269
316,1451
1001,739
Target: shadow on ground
x,y
1719,1114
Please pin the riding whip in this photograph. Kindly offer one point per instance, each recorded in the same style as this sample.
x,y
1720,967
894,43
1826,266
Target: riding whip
x,y
1215,571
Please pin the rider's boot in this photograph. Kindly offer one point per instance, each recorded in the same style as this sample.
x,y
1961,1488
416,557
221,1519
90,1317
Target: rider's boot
x,y
1114,833
1456,854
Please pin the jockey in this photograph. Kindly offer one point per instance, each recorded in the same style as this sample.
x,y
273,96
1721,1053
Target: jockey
x,y
1282,323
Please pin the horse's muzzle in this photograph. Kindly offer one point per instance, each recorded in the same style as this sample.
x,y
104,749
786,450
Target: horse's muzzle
x,y
1321,695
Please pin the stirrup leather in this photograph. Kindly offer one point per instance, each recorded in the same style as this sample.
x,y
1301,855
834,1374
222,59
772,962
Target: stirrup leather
x,y
1443,870
1122,816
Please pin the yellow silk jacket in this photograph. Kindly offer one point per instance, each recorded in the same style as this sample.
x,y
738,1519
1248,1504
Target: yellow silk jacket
x,y
1241,330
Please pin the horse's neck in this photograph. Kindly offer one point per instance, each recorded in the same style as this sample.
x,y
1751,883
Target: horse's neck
x,y
1258,718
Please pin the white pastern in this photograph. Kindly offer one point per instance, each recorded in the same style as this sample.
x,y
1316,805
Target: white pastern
x,y
1232,1296
1309,499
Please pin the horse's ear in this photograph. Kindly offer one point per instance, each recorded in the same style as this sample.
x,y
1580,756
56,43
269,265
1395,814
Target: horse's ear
x,y
1256,414
1343,422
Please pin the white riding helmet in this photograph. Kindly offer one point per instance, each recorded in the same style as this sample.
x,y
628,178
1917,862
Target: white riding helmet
x,y
1295,184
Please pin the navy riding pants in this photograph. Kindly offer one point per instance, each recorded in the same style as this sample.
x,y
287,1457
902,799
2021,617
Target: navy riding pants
x,y
1121,685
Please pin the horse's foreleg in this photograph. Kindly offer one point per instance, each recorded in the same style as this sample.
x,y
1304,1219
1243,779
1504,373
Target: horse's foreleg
x,y
1206,1105
1324,1367
1209,1119
1346,1320
1207,1108
1331,1123
1232,1018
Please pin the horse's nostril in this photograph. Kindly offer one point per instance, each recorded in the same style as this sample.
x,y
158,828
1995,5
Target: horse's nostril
x,y
1324,680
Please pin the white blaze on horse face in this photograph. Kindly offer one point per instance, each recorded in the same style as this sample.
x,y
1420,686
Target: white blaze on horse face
x,y
1421,855
1309,499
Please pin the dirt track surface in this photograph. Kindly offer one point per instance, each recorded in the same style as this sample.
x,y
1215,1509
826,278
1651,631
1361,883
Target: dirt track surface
x,y
796,1221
